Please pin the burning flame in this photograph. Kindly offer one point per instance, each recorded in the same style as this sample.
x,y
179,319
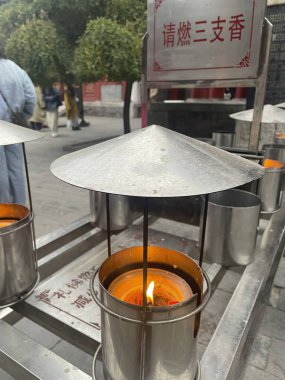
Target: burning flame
x,y
149,293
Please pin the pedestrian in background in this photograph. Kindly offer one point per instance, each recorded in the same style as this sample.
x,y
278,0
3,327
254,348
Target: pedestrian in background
x,y
51,97
39,114
18,95
71,108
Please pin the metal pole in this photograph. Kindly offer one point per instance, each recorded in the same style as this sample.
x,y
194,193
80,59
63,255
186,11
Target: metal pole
x,y
27,177
92,207
145,250
143,81
261,86
145,263
31,206
203,232
108,224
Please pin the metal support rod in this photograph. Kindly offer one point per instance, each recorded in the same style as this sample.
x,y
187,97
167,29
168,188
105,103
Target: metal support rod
x,y
275,129
27,177
203,232
144,90
208,83
108,223
31,206
143,349
145,250
145,264
261,86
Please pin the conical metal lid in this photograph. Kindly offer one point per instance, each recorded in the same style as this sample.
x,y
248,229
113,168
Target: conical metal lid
x,y
270,114
155,162
14,134
280,105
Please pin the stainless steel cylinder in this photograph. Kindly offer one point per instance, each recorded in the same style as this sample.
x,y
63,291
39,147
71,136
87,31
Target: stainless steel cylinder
x,y
18,269
231,227
274,151
120,213
269,189
170,350
279,139
223,139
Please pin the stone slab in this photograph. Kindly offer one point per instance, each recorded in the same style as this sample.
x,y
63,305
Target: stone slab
x,y
276,363
279,279
260,351
273,324
253,373
229,281
212,314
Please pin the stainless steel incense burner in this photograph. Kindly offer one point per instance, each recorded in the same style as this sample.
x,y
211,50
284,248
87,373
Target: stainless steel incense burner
x,y
164,346
147,342
18,259
18,268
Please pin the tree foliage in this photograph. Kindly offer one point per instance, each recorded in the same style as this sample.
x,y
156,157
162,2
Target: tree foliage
x,y
107,50
132,14
37,47
101,38
13,14
69,16
48,33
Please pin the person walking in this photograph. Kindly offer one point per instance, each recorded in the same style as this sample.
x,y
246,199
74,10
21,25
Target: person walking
x,y
51,97
17,94
39,114
71,108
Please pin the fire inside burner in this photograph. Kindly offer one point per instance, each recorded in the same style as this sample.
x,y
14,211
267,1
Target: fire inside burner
x,y
281,136
6,222
268,163
164,288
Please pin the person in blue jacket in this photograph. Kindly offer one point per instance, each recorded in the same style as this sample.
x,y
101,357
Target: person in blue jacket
x,y
18,90
51,97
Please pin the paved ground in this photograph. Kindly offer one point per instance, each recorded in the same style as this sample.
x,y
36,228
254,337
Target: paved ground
x,y
56,204
266,360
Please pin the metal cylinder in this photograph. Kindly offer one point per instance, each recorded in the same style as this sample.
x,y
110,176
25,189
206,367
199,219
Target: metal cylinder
x,y
120,212
18,269
269,189
163,350
223,139
274,151
279,139
231,227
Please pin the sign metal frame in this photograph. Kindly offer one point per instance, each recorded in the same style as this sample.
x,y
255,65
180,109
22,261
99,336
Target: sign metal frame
x,y
257,80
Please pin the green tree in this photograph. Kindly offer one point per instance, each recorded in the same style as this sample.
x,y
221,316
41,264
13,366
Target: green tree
x,y
67,20
70,17
37,47
109,50
132,14
12,15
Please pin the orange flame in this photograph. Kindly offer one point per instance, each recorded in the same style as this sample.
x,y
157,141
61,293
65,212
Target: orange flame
x,y
149,293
